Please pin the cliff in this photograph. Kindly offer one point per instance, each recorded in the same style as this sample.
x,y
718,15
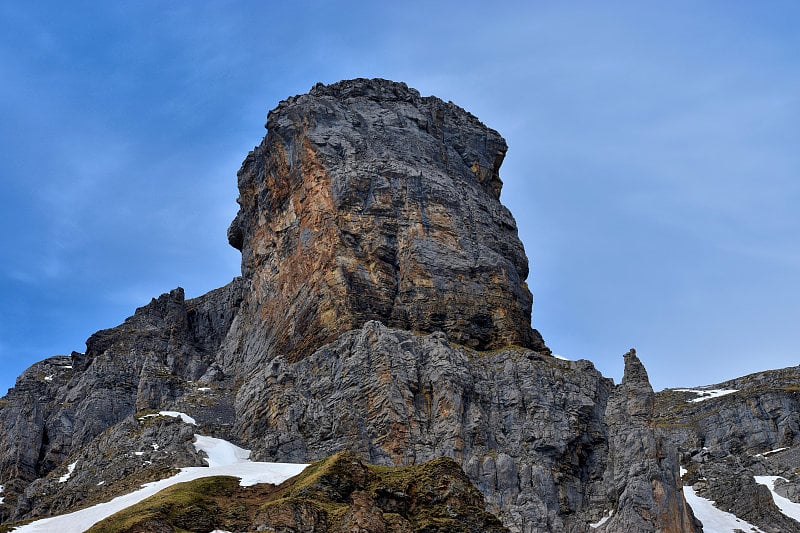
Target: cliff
x,y
382,309
731,432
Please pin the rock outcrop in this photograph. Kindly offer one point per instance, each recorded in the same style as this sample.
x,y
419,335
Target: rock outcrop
x,y
366,201
382,309
340,494
730,432
642,471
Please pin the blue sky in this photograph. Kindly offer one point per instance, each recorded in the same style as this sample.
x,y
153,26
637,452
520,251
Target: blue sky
x,y
652,165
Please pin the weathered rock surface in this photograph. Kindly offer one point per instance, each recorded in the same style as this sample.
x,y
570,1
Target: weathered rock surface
x,y
382,309
732,487
725,441
642,471
366,201
63,404
527,428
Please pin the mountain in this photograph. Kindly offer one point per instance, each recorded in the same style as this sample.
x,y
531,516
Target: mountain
x,y
383,314
732,436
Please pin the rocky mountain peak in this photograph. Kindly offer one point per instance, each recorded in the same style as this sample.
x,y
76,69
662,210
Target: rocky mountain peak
x,y
379,272
366,201
635,374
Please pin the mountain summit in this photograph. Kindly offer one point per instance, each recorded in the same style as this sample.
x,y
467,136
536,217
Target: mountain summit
x,y
382,312
366,201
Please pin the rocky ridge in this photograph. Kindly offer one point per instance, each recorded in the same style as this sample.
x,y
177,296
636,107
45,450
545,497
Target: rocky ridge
x,y
725,440
382,309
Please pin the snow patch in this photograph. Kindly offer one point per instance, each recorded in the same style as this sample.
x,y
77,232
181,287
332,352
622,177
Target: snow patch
x,y
222,451
49,378
155,446
560,357
174,414
787,506
707,394
101,483
765,454
683,471
138,453
715,520
1,492
603,520
70,470
204,389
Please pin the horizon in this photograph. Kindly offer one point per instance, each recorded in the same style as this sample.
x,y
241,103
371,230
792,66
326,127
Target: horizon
x,y
652,163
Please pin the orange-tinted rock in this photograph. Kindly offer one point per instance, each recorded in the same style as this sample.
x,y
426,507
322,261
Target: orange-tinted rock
x,y
366,201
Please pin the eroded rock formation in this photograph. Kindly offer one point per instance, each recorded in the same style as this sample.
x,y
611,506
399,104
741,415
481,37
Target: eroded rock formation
x,y
382,309
366,201
739,429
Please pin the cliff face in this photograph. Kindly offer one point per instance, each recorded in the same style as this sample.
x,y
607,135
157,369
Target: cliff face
x,y
382,309
366,202
730,432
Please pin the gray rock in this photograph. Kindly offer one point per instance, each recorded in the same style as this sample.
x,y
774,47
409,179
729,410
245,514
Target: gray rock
x,y
365,202
642,471
725,441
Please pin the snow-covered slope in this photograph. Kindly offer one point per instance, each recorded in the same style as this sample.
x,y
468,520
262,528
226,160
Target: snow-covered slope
x,y
715,520
787,506
224,459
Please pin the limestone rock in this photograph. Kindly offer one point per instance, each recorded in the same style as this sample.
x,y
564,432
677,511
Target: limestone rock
x,y
726,440
382,309
642,472
366,201
527,428
146,364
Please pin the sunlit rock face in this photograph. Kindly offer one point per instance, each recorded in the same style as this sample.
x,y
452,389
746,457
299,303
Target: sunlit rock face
x,y
366,201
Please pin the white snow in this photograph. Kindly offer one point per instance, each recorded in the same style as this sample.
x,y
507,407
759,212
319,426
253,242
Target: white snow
x,y
1,492
174,414
707,394
49,378
561,357
138,453
603,520
787,506
218,451
101,483
715,520
776,450
155,446
683,471
70,470
183,416
204,389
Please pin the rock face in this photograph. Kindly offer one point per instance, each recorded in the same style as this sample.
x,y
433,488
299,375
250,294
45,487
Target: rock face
x,y
366,201
726,440
527,428
643,470
382,309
